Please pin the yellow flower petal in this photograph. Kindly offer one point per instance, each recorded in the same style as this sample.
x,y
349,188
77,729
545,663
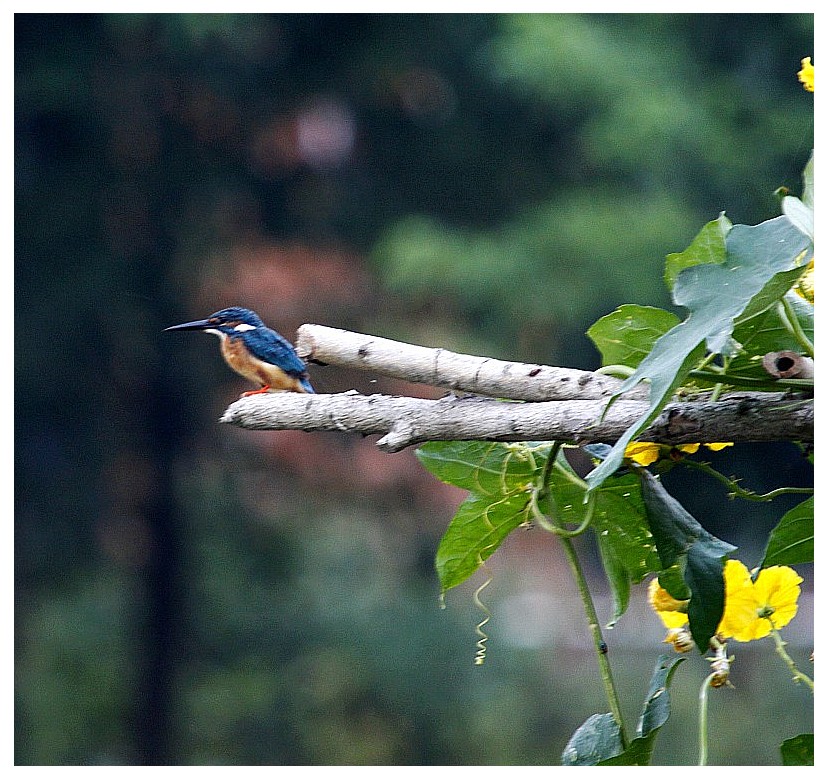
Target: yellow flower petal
x,y
806,74
672,612
689,448
740,605
717,446
806,284
753,609
642,453
777,590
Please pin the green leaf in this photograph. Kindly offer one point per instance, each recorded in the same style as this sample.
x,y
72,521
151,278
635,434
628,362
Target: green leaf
x,y
595,741
656,708
716,295
481,467
498,476
478,528
791,541
704,574
764,333
773,290
654,714
672,579
798,751
708,246
625,336
799,214
625,542
682,541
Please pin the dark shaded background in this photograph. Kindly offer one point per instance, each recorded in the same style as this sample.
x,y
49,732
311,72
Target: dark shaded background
x,y
188,593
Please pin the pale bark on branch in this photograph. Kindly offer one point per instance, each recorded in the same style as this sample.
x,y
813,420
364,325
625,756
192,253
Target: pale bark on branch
x,y
405,421
550,403
448,370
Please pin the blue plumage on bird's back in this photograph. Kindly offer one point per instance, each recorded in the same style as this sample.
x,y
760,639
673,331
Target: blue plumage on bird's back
x,y
254,351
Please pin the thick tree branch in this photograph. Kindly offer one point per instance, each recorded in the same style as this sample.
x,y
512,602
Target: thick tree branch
x,y
448,370
405,421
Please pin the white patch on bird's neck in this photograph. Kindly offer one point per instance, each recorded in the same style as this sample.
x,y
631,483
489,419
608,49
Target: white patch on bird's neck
x,y
242,327
220,334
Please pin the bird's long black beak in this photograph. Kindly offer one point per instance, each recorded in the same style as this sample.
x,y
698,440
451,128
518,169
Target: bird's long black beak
x,y
202,324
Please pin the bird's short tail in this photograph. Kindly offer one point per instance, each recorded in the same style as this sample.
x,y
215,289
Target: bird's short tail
x,y
307,387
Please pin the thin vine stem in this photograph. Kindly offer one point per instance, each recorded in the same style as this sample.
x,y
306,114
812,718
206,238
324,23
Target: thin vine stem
x,y
537,491
706,362
565,537
718,388
597,637
740,491
546,522
713,376
616,371
790,321
703,742
798,676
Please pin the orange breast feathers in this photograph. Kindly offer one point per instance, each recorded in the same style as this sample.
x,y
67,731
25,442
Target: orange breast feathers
x,y
237,356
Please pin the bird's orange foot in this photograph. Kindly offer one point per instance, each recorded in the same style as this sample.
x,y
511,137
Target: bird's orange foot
x,y
262,390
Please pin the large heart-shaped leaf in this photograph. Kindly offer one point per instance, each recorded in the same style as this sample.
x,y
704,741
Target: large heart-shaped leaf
x,y
626,336
498,476
501,478
709,246
716,295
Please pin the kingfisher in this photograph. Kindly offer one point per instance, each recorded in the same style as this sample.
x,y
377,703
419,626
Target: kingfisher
x,y
254,351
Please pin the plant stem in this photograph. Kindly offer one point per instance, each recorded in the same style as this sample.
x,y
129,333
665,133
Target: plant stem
x,y
790,321
707,361
798,676
752,383
547,522
597,637
702,721
617,371
740,491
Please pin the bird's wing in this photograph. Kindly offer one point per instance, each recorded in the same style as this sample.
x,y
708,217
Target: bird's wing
x,y
271,347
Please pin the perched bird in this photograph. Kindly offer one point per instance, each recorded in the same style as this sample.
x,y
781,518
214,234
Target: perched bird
x,y
253,350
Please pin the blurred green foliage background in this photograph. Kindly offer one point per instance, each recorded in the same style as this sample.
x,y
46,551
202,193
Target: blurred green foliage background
x,y
188,593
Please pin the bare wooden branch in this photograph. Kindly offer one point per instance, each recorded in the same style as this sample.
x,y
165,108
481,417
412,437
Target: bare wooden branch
x,y
448,370
405,421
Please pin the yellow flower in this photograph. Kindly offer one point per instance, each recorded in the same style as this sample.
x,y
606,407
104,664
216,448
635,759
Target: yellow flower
x,y
642,453
753,608
646,453
717,446
806,284
672,612
688,448
805,75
